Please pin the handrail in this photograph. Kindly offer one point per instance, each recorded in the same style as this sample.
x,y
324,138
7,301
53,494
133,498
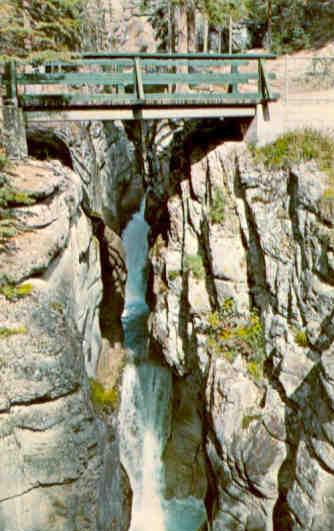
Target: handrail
x,y
127,79
155,55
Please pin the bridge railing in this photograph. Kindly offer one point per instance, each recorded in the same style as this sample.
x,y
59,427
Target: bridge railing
x,y
102,80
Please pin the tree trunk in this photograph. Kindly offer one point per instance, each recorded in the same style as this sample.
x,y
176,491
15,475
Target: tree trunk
x,y
191,23
270,24
205,33
181,27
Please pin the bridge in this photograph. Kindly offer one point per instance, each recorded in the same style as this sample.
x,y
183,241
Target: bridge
x,y
139,86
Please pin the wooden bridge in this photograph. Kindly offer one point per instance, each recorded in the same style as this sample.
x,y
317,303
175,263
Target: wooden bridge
x,y
140,86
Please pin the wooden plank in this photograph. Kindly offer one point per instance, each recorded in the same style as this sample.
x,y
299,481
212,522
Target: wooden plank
x,y
139,79
91,62
192,96
67,100
131,114
79,78
79,115
205,112
194,62
76,78
155,55
207,78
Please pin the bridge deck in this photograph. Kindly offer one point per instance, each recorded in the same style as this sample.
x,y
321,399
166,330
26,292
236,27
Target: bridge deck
x,y
139,86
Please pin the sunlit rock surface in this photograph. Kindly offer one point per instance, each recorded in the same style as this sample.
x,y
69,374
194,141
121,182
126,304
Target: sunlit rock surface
x,y
59,466
267,440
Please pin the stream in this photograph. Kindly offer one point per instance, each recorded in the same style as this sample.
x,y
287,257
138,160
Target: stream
x,y
146,406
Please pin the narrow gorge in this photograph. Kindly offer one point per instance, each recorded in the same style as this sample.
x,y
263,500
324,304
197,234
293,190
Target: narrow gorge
x,y
169,365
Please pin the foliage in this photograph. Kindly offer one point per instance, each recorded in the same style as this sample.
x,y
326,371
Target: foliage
x,y
298,146
173,275
301,338
7,332
294,25
328,194
13,293
3,160
218,11
217,210
229,336
10,197
7,229
248,419
42,26
194,264
101,397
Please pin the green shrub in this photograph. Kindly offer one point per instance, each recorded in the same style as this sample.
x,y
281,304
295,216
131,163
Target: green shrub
x,y
101,397
217,210
194,264
227,337
9,197
3,161
13,293
301,338
7,229
173,275
7,332
255,369
298,146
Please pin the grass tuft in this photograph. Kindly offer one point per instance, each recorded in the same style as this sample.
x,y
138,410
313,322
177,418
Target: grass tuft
x,y
194,264
101,397
217,210
298,146
7,332
13,293
301,338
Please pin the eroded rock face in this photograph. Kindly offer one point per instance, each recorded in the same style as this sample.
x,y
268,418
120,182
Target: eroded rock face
x,y
52,447
232,231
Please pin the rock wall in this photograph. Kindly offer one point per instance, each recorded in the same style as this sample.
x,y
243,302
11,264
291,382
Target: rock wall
x,y
50,456
60,466
242,296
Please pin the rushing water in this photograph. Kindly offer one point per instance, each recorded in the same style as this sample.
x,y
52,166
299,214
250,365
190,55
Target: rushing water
x,y
145,406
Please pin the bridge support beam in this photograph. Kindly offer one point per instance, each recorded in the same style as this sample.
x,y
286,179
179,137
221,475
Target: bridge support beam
x,y
14,137
14,134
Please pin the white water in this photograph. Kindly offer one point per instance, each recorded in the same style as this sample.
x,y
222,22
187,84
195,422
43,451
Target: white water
x,y
145,406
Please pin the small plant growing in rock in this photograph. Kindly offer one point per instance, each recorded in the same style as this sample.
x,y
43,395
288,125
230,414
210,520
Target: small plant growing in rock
x,y
4,162
101,397
229,336
10,197
328,194
194,264
217,210
7,332
13,293
173,275
248,419
301,337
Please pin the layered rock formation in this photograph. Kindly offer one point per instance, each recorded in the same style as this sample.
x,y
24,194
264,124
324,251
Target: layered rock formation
x,y
60,464
242,291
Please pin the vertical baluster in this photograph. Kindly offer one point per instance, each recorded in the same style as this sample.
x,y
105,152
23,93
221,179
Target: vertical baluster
x,y
139,78
233,86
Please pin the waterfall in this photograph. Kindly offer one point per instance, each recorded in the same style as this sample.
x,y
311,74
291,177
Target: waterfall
x,y
145,406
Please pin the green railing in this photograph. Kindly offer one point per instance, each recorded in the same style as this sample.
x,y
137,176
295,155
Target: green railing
x,y
130,80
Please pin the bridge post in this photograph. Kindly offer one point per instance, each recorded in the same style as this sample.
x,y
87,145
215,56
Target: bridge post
x,y
14,134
